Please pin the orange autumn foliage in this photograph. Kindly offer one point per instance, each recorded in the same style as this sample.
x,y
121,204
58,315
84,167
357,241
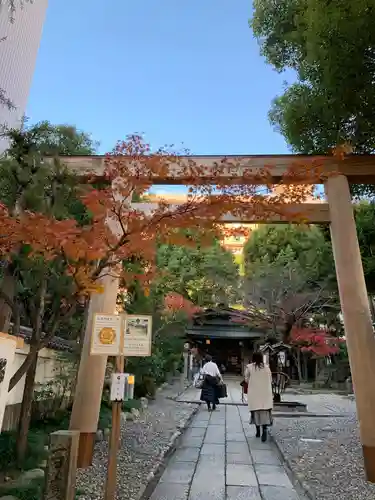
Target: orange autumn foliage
x,y
120,230
175,303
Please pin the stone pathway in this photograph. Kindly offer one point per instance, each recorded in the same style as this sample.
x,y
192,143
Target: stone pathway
x,y
220,459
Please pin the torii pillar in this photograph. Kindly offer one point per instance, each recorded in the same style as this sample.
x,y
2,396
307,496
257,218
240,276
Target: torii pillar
x,y
356,312
91,374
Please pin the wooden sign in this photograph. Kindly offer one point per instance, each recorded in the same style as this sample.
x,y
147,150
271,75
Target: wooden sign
x,y
137,335
62,466
107,335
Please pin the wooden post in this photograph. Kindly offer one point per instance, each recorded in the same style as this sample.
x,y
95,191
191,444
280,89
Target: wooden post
x,y
90,379
356,312
62,466
110,487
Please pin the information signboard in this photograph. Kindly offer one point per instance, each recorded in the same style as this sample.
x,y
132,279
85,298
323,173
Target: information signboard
x,y
107,335
137,335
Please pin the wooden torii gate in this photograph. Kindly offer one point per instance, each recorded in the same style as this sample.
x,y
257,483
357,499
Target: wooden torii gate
x,y
338,212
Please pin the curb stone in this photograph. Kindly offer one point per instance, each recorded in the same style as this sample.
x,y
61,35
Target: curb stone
x,y
174,398
297,477
157,470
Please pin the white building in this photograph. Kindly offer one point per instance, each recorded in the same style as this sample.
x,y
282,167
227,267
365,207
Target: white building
x,y
19,44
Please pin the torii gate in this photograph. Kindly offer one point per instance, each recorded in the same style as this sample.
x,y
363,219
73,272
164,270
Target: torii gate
x,y
338,212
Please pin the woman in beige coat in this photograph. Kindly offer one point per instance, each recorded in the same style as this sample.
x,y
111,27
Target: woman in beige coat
x,y
259,394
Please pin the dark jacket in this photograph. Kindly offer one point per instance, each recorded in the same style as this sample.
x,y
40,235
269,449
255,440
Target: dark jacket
x,y
210,389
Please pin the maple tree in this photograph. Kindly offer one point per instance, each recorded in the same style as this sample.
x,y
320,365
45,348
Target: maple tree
x,y
315,343
175,303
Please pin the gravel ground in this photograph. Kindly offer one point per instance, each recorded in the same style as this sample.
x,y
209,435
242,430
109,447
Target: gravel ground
x,y
142,446
324,403
331,469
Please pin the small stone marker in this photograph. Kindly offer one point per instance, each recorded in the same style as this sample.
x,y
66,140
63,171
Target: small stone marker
x,y
311,440
62,466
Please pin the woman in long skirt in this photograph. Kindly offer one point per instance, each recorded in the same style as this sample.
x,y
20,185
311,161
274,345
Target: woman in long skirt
x,y
259,394
211,379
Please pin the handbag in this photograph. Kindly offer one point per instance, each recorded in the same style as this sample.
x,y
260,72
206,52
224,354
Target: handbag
x,y
244,386
222,391
198,380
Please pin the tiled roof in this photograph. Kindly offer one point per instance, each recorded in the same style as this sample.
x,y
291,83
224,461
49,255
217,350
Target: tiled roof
x,y
56,343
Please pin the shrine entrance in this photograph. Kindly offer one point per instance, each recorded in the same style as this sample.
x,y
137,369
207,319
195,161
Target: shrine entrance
x,y
335,174
225,335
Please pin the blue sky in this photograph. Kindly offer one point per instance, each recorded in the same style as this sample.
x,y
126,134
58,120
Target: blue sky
x,y
179,71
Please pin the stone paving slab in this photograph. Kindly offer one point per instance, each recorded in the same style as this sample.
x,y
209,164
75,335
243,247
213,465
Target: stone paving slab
x,y
272,475
277,493
191,442
196,432
239,458
229,463
178,473
265,457
187,455
241,475
243,493
169,491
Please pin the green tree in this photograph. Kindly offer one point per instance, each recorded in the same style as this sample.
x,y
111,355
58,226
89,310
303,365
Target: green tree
x,y
305,244
329,45
365,222
364,213
289,278
207,276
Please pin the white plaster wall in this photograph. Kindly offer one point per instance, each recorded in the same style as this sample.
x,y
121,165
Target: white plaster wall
x,y
46,370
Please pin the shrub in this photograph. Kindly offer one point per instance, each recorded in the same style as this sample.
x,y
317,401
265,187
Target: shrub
x,y
32,490
105,417
35,450
127,406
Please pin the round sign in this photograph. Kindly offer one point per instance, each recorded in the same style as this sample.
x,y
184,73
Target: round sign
x,y
107,336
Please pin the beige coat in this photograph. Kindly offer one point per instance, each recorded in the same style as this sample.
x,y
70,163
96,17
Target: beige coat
x,y
259,392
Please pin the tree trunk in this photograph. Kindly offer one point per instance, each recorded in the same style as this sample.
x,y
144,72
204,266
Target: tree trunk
x,y
299,366
26,407
316,370
24,368
305,368
290,322
372,308
8,287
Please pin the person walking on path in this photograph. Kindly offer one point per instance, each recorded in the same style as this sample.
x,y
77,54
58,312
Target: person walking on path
x,y
211,380
259,394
